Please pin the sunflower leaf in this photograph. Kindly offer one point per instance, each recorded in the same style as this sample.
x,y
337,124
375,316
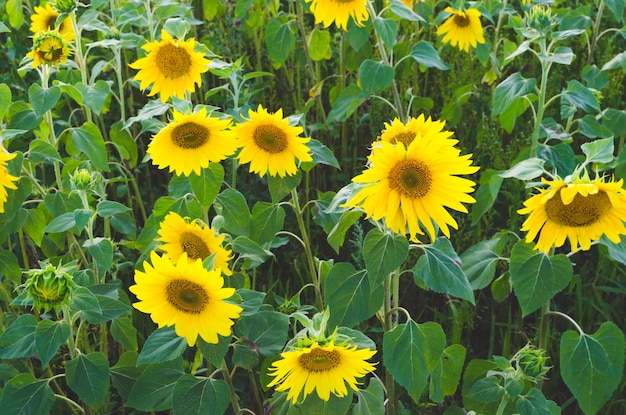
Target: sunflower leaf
x,y
513,87
49,336
154,388
88,376
161,346
383,254
24,394
374,76
447,373
194,396
370,400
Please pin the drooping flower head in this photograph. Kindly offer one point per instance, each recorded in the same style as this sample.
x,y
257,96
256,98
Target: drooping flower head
x,y
185,295
462,29
6,180
191,142
49,48
50,287
171,67
270,144
45,20
339,11
425,128
580,209
410,188
194,238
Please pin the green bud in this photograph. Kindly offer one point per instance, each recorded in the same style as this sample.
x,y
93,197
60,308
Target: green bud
x,y
50,287
539,21
64,6
81,179
533,363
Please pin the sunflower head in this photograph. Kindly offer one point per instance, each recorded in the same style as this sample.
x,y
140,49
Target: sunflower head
x,y
49,48
6,179
171,66
462,29
580,209
45,19
339,12
50,287
270,144
398,132
539,21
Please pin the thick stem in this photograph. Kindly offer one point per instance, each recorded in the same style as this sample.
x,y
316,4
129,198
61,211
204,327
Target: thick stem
x,y
544,327
234,399
390,382
541,101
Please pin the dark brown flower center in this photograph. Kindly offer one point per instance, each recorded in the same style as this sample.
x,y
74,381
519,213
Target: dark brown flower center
x,y
270,138
194,246
190,135
319,360
410,178
50,50
173,62
405,138
51,21
582,211
461,20
187,296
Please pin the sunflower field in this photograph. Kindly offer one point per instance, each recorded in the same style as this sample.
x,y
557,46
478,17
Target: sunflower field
x,y
312,207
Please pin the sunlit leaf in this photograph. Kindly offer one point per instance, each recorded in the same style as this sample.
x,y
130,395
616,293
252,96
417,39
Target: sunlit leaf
x,y
195,396
374,76
267,330
207,185
425,54
161,346
88,376
43,99
479,262
154,388
383,254
513,87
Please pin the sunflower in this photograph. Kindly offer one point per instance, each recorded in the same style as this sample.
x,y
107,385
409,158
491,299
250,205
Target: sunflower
x,y
194,238
325,368
271,144
427,129
462,28
45,20
49,48
191,142
171,66
411,187
6,180
581,210
184,294
339,11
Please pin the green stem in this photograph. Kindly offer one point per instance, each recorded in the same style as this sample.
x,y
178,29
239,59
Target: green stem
x,y
73,404
502,405
81,60
23,249
594,36
234,399
544,328
305,45
541,100
390,383
568,318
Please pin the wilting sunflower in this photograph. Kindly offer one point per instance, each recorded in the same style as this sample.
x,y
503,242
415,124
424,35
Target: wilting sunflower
x,y
581,210
6,180
269,143
45,20
185,295
426,129
191,142
339,11
171,66
462,28
325,368
194,238
49,48
412,187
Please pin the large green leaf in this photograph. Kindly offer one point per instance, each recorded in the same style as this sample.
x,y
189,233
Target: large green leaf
x,y
266,221
479,262
486,390
592,365
214,352
374,76
101,251
280,187
533,403
87,140
9,267
194,396
207,185
425,54
383,254
279,39
267,330
313,404
387,29
25,395
487,193
251,252
18,340
161,346
319,45
617,8
5,99
370,400
513,87
43,99
440,269
599,151
154,388
61,223
580,96
108,309
337,234
537,277
234,209
49,336
88,376
447,373
95,96
124,332
411,352
349,295
125,373
346,103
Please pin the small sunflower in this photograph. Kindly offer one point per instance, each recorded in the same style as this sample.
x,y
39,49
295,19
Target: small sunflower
x,y
6,180
45,20
269,143
581,210
339,11
191,142
49,48
462,28
325,368
426,129
194,238
185,295
412,187
171,66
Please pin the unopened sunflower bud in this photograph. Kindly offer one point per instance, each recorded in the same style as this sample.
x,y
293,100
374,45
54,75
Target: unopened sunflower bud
x,y
49,48
81,179
540,19
64,6
49,287
533,363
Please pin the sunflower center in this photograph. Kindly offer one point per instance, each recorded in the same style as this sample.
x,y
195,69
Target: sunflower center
x,y
172,61
50,50
270,138
187,296
405,138
582,211
319,360
410,178
194,246
461,21
190,135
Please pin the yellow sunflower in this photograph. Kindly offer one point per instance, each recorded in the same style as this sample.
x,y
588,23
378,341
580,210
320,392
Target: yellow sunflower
x,y
191,142
171,66
184,294
412,187
581,210
194,238
6,180
462,28
339,11
45,20
269,143
49,48
325,368
427,129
